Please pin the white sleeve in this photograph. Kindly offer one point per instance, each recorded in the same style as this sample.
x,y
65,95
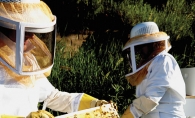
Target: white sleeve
x,y
63,101
45,88
144,105
57,100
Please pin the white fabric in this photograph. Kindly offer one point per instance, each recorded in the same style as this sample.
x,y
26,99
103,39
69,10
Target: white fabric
x,y
16,99
163,84
144,28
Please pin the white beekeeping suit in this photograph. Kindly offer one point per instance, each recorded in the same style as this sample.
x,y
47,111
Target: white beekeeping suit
x,y
27,48
160,88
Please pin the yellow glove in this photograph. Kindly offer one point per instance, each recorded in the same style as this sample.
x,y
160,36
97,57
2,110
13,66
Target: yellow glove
x,y
88,101
40,114
127,113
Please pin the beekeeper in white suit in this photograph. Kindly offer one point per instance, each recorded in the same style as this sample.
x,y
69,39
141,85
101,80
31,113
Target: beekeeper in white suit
x,y
160,88
27,48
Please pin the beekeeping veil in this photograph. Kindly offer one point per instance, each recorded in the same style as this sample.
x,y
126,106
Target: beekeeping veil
x,y
146,41
27,16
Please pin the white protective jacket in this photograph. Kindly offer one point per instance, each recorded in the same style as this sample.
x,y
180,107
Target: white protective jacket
x,y
164,85
16,99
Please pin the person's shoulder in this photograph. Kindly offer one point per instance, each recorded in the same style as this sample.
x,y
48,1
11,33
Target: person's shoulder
x,y
163,57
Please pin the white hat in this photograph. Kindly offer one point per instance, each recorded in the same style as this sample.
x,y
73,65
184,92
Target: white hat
x,y
144,28
145,32
31,11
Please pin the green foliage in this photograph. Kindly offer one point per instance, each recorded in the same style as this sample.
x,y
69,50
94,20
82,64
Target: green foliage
x,y
174,19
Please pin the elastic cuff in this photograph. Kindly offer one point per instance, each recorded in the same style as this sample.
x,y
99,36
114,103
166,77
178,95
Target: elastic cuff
x,y
136,113
87,101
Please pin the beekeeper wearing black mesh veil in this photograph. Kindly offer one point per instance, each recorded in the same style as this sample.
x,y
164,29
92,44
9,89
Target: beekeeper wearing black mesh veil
x,y
27,48
160,88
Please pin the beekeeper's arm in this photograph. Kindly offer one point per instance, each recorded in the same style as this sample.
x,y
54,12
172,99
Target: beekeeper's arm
x,y
141,105
64,101
157,85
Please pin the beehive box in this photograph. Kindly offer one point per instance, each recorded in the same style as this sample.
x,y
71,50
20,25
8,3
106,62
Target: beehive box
x,y
104,111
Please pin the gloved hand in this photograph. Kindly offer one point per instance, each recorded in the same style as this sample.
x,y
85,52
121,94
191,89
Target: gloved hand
x,y
40,114
127,113
88,101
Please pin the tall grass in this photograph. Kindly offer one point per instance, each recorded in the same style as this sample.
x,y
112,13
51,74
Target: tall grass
x,y
97,69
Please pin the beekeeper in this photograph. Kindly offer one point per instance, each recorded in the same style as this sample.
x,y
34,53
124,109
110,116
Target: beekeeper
x,y
160,88
27,48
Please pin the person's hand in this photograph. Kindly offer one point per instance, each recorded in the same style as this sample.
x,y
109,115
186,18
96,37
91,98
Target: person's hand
x,y
40,114
127,113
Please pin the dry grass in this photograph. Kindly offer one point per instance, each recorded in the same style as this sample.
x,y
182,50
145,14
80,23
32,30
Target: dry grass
x,y
72,43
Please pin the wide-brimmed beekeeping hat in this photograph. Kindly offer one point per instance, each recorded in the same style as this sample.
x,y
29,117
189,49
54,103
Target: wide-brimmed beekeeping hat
x,y
32,16
140,35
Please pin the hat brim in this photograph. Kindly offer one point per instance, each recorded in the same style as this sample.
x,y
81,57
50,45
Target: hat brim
x,y
146,38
